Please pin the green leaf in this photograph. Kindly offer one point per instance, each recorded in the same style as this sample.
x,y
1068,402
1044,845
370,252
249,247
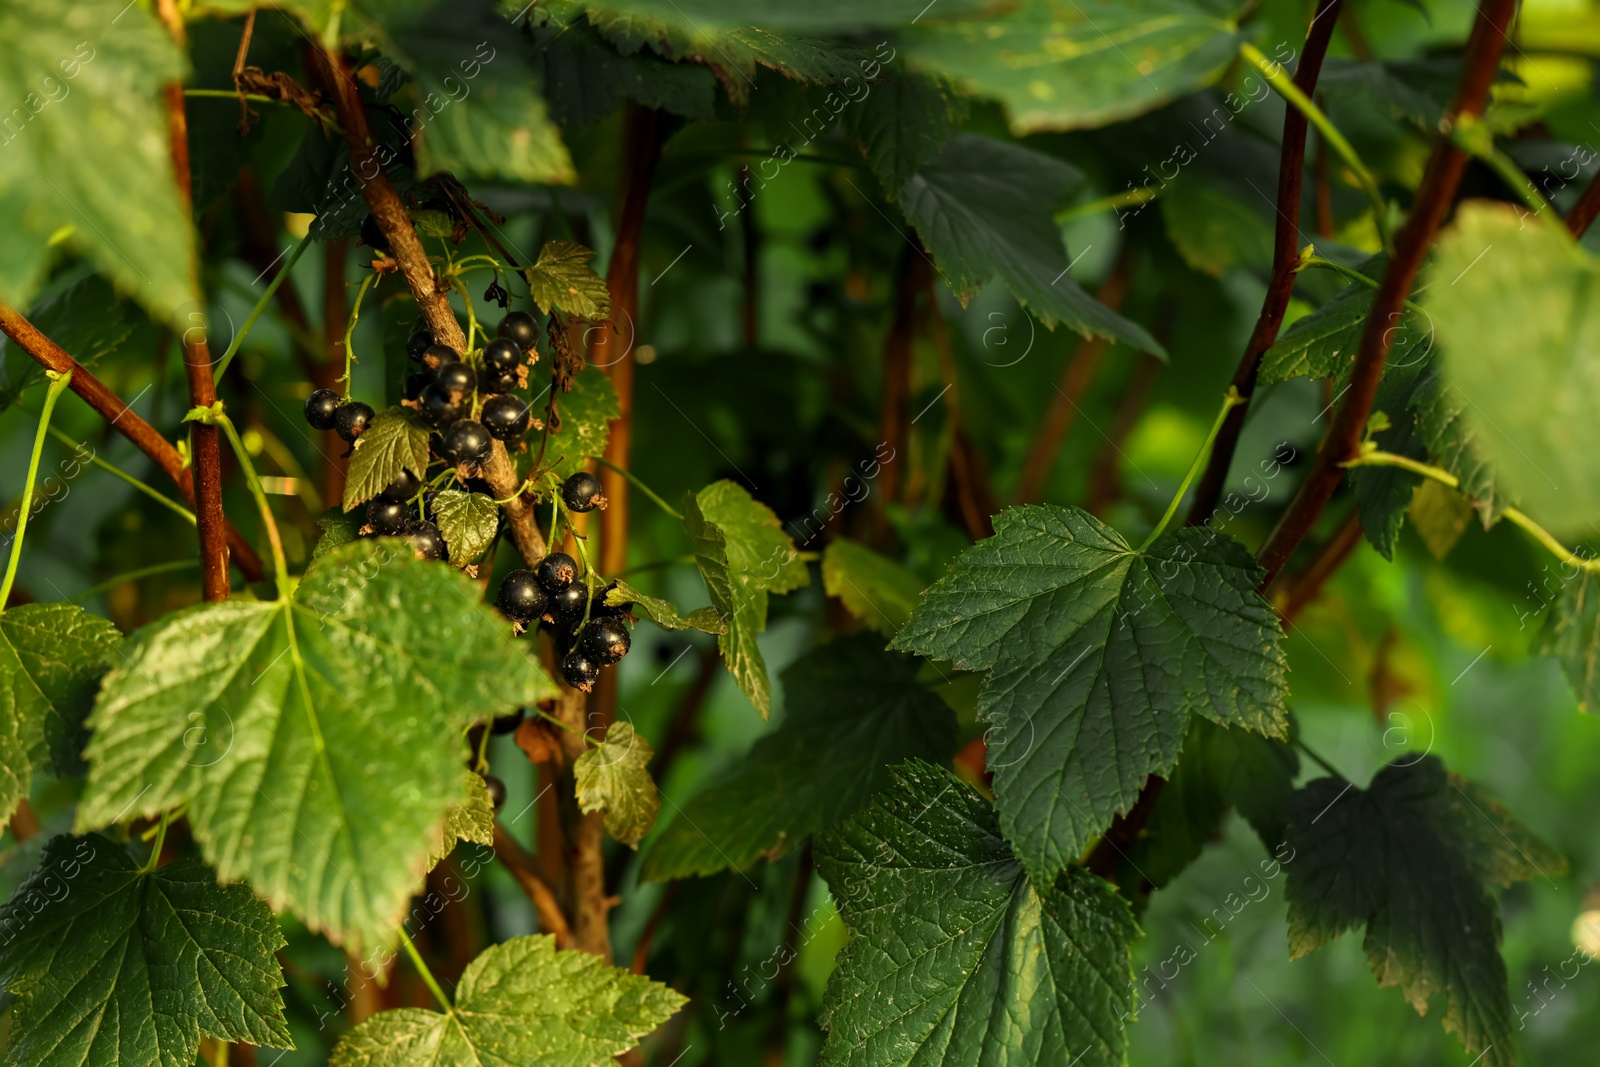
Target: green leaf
x,y
51,660
521,1002
1440,516
586,78
1213,229
1096,655
87,321
86,123
337,529
821,16
131,967
612,778
473,107
1383,494
1520,355
901,124
1323,344
875,589
467,522
562,279
395,441
1459,445
586,416
663,613
850,711
1072,64
984,208
316,740
1572,634
955,956
743,554
471,821
1411,858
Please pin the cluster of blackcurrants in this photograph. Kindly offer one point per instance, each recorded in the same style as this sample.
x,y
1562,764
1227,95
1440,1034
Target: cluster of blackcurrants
x,y
393,513
553,593
443,392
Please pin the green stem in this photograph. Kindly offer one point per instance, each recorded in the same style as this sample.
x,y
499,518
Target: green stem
x,y
1372,457
1229,402
1324,764
258,98
1353,275
349,332
280,565
261,305
482,766
427,975
155,849
1279,80
1128,198
645,489
134,576
159,497
58,385
1473,136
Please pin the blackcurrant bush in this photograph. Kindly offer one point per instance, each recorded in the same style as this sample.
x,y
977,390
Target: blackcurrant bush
x,y
502,355
604,640
504,724
419,343
579,671
387,516
581,492
495,381
457,379
557,571
438,408
497,792
425,539
521,596
416,382
466,444
520,327
372,234
436,356
404,487
567,605
351,419
505,417
321,407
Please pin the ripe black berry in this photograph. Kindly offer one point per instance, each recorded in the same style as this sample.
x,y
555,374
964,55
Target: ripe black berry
x,y
581,492
568,604
425,539
416,382
404,487
497,792
438,408
321,407
504,724
436,356
505,417
579,671
502,355
372,234
520,327
466,444
521,596
456,379
557,571
604,640
419,343
387,516
351,419
496,381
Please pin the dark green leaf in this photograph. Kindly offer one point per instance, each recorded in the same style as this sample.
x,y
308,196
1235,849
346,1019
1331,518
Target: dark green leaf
x,y
586,78
87,321
113,966
337,529
1213,229
467,522
1572,634
586,415
850,710
901,124
1097,654
955,957
395,441
663,613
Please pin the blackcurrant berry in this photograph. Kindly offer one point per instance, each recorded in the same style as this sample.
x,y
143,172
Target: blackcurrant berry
x,y
372,234
387,516
457,379
605,640
321,407
520,327
438,408
416,382
568,604
404,487
504,724
557,571
419,343
579,671
497,792
466,444
436,356
425,539
502,355
521,596
581,492
505,417
495,381
351,419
